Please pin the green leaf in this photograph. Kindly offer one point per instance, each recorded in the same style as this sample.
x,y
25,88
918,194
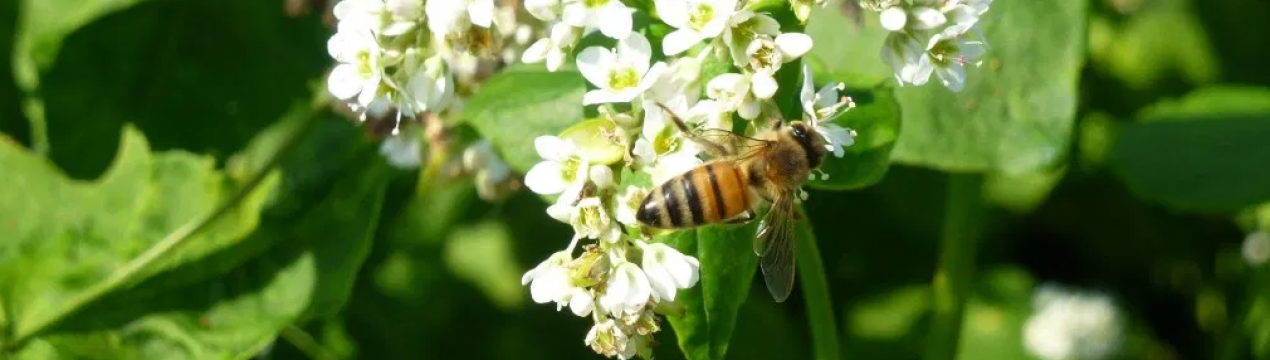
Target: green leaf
x,y
163,75
68,243
1205,153
1131,48
848,44
522,103
876,120
42,26
307,273
1017,110
727,271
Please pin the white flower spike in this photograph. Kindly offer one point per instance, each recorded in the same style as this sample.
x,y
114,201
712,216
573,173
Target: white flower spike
x,y
622,75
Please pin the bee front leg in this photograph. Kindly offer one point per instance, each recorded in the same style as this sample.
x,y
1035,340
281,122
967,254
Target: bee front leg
x,y
743,218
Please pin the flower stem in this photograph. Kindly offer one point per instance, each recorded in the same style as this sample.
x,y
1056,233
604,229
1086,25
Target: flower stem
x,y
128,273
951,283
34,109
815,288
304,342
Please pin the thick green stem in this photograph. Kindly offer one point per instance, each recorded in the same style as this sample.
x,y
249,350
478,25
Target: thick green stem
x,y
34,109
174,240
815,287
951,284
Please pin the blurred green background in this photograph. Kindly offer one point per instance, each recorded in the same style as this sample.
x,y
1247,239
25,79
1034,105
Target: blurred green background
x,y
1149,200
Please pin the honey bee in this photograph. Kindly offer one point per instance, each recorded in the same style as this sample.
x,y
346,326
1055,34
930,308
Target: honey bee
x,y
743,170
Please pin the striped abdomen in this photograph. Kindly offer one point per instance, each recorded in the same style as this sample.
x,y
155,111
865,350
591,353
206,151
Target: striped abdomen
x,y
708,194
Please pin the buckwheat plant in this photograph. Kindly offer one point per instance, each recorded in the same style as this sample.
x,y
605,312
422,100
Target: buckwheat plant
x,y
416,59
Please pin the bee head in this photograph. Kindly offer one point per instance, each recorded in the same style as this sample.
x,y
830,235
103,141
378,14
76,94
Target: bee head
x,y
810,140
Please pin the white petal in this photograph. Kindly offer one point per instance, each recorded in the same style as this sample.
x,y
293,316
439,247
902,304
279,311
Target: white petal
x,y
615,20
893,18
344,82
766,25
763,85
602,176
601,96
481,12
551,147
544,178
581,302
652,76
636,51
575,14
793,45
827,96
927,18
644,150
551,285
662,284
370,91
749,110
537,52
679,41
555,58
562,210
563,35
807,95
673,12
594,63
542,9
953,77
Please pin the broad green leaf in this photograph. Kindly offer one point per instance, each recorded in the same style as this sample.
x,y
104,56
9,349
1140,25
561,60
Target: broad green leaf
x,y
876,120
848,44
728,265
164,75
522,103
69,242
1204,153
307,273
1017,111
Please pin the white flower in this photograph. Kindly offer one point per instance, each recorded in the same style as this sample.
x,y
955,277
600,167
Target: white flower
x,y
745,26
694,21
590,219
401,152
907,58
767,55
602,177
360,71
948,53
821,107
1071,325
669,270
620,76
612,17
545,10
560,172
403,16
628,202
605,338
893,18
430,87
359,14
628,290
549,281
454,16
581,302
663,147
553,48
740,93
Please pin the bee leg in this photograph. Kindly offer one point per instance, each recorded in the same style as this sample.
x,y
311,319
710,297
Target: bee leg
x,y
711,148
743,218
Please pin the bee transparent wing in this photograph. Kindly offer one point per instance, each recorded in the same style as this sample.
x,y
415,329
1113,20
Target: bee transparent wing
x,y
774,245
718,142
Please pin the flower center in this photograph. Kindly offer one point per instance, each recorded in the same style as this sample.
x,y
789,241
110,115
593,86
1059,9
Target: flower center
x,y
665,142
623,77
766,58
595,3
570,172
700,16
365,63
941,51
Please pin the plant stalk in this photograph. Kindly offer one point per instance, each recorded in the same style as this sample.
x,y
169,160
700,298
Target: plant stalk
x,y
955,272
815,288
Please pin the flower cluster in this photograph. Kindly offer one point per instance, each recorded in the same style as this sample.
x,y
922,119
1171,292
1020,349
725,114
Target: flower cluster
x,y
620,279
931,36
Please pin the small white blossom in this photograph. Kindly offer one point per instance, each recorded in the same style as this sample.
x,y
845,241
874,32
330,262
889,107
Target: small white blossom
x,y
669,270
694,21
821,107
663,148
455,16
740,93
605,338
620,76
562,171
549,281
1256,248
766,56
744,27
430,87
602,177
628,290
553,48
545,10
893,18
612,17
907,57
359,14
948,53
360,72
1072,325
628,202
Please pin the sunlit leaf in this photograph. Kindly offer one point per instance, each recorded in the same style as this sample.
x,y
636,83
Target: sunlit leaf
x,y
68,242
522,103
728,265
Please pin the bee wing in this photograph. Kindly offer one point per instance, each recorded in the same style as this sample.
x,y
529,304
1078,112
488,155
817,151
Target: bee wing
x,y
774,245
736,145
